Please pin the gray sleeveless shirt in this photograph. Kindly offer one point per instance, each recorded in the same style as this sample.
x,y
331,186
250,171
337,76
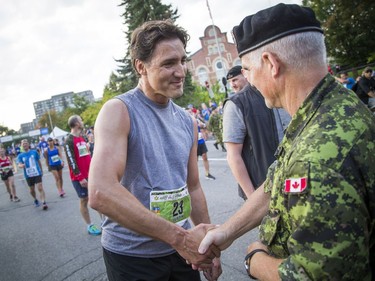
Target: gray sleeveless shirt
x,y
159,144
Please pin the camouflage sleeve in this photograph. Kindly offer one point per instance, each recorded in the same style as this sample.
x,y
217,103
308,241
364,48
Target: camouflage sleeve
x,y
270,177
71,159
211,123
329,229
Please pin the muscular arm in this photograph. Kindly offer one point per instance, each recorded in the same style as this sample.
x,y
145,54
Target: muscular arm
x,y
238,168
248,217
70,157
109,197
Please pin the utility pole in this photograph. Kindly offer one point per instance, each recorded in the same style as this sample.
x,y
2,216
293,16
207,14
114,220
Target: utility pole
x,y
50,120
216,40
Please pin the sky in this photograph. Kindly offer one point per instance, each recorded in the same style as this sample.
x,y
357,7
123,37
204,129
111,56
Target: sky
x,y
53,47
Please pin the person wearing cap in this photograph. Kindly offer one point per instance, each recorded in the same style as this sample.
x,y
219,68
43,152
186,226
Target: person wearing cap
x,y
366,87
316,209
236,80
55,164
251,132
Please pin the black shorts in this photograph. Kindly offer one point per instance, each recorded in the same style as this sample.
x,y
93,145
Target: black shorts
x,y
33,180
7,175
125,268
82,192
202,149
56,167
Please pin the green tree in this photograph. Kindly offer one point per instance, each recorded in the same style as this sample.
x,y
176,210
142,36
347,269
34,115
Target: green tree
x,y
45,122
136,12
349,29
62,119
5,131
199,94
80,104
91,113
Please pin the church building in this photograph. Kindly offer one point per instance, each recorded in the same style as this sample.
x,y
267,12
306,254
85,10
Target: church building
x,y
208,65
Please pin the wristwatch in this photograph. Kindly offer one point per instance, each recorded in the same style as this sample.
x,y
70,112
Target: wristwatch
x,y
248,258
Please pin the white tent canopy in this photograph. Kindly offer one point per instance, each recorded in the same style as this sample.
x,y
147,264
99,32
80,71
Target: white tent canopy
x,y
57,133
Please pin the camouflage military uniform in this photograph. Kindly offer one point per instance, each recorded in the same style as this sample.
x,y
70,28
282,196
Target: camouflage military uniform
x,y
322,210
215,125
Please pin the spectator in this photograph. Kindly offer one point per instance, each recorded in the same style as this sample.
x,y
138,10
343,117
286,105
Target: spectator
x,y
347,81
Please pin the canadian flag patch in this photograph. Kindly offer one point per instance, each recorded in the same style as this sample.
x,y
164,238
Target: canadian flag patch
x,y
295,185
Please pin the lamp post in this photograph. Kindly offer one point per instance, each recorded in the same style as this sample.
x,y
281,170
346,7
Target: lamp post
x,y
216,40
50,120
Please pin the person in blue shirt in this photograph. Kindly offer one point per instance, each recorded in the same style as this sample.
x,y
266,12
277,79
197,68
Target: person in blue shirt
x,y
347,81
29,161
55,164
42,146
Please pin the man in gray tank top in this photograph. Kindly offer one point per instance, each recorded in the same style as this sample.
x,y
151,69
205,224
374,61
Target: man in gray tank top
x,y
149,190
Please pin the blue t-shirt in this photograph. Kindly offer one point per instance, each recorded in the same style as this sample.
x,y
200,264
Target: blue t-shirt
x,y
53,157
350,83
43,146
200,136
30,159
205,114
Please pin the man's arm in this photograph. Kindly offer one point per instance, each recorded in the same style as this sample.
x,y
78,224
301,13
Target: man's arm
x,y
238,168
40,166
20,161
262,265
109,197
60,155
246,218
234,132
71,159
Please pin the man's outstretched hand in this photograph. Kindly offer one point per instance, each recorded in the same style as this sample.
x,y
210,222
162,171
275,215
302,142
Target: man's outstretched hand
x,y
188,249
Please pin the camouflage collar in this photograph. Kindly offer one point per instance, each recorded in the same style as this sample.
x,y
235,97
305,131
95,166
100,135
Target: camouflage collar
x,y
307,111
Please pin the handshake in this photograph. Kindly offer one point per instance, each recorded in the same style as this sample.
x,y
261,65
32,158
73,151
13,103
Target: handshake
x,y
201,247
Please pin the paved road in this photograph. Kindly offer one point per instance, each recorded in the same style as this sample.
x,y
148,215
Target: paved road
x,y
38,245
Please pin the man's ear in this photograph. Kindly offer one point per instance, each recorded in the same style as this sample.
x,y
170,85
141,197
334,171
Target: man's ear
x,y
140,67
272,62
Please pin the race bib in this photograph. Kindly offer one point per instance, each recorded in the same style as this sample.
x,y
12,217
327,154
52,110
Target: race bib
x,y
6,169
55,158
32,172
82,150
200,136
173,205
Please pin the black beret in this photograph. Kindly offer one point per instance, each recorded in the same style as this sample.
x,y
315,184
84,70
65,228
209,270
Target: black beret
x,y
273,23
234,71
